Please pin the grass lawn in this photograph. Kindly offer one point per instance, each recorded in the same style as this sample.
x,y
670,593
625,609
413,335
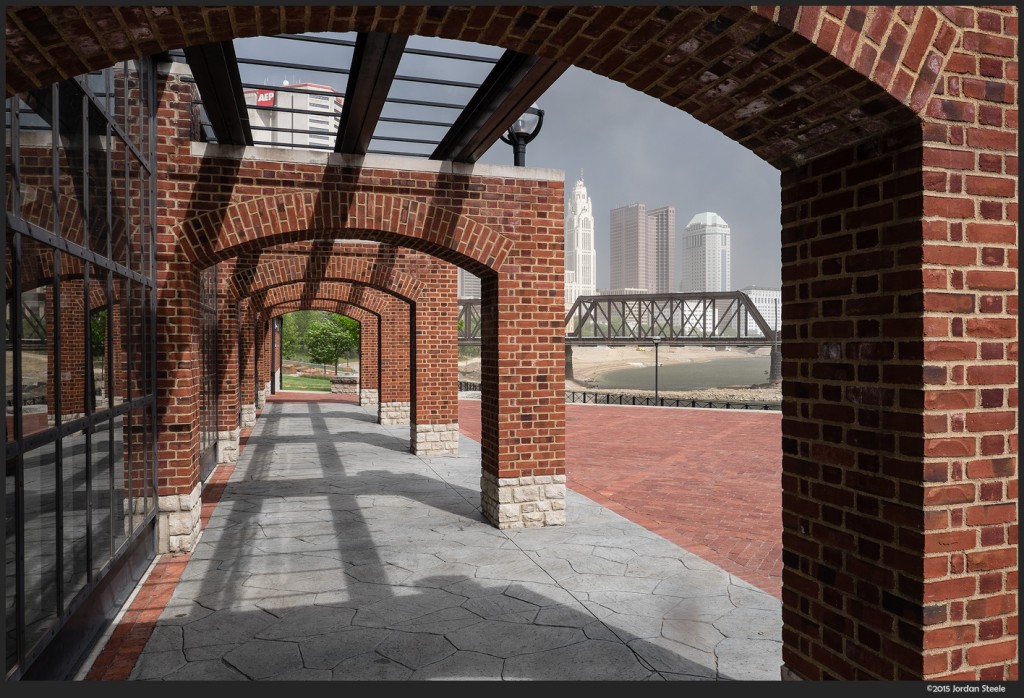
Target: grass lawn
x,y
317,383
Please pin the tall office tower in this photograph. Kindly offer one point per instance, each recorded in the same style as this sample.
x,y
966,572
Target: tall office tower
x,y
469,284
632,249
313,123
662,229
707,254
580,258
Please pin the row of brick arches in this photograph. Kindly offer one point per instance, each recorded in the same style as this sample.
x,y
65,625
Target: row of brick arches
x,y
895,132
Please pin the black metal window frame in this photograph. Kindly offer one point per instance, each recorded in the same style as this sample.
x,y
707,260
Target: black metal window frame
x,y
97,421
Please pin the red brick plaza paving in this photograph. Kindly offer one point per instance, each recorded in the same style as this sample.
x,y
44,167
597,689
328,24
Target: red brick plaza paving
x,y
707,480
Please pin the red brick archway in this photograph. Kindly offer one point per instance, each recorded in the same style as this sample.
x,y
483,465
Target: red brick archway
x,y
895,129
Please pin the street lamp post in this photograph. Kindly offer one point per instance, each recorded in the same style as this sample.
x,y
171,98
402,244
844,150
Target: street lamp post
x,y
522,131
657,341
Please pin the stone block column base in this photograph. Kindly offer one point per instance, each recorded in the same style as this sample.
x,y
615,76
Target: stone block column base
x,y
247,418
261,398
178,522
394,413
789,675
435,439
523,502
368,397
228,446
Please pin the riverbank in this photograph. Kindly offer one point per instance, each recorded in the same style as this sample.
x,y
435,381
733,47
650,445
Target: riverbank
x,y
590,363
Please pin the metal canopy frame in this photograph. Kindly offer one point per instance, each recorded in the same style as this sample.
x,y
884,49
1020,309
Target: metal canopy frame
x,y
374,66
215,69
515,82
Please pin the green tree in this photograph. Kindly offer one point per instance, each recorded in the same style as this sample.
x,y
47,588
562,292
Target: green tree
x,y
331,338
291,342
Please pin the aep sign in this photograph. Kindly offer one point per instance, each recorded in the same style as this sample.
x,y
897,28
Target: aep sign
x,y
265,98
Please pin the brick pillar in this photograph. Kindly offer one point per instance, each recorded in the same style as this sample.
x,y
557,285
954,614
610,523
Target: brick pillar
x,y
71,313
262,329
369,361
228,429
434,428
898,549
177,394
522,389
246,343
395,373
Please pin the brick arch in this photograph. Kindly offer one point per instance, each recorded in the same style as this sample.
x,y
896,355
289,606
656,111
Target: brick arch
x,y
257,223
895,130
354,294
357,313
249,275
777,79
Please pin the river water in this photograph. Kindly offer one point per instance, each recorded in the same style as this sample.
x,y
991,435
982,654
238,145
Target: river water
x,y
724,372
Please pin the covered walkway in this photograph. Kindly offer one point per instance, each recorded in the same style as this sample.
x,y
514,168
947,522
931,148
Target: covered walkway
x,y
333,553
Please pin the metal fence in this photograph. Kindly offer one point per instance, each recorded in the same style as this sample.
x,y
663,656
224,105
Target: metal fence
x,y
593,398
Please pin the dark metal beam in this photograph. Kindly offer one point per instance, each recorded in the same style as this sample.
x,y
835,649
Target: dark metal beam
x,y
513,85
374,64
215,69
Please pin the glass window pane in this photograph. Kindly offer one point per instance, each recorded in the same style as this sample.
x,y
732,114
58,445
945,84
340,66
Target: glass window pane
x,y
136,212
138,461
41,603
102,511
71,164
138,383
118,477
99,183
74,471
12,302
10,568
71,338
37,357
118,365
120,213
35,151
99,319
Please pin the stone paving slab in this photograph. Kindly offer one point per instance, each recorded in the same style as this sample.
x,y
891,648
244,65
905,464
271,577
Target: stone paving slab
x,y
385,569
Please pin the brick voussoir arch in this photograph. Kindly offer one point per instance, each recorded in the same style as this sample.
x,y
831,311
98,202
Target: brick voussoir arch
x,y
254,224
333,291
287,269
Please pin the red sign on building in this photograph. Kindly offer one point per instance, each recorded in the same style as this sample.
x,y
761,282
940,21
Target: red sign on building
x,y
265,98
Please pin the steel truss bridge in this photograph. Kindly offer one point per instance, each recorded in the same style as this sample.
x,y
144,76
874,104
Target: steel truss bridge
x,y
726,318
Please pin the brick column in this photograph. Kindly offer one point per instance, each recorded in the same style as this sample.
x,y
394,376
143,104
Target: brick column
x,y
522,387
369,361
395,373
228,429
177,395
434,428
262,330
247,367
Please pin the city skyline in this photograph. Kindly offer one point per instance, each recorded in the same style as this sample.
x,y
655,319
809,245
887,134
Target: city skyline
x,y
640,150
629,147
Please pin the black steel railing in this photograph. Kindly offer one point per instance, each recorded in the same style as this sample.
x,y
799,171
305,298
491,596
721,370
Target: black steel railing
x,y
596,398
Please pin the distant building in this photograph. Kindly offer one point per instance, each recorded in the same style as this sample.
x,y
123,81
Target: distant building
x,y
580,257
469,284
643,248
631,256
662,228
279,116
707,254
768,302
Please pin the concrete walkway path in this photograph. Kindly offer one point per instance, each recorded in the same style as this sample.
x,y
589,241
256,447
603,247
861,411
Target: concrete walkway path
x,y
335,554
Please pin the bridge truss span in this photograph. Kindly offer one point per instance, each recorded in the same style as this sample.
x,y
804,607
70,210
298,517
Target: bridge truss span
x,y
725,318
713,318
